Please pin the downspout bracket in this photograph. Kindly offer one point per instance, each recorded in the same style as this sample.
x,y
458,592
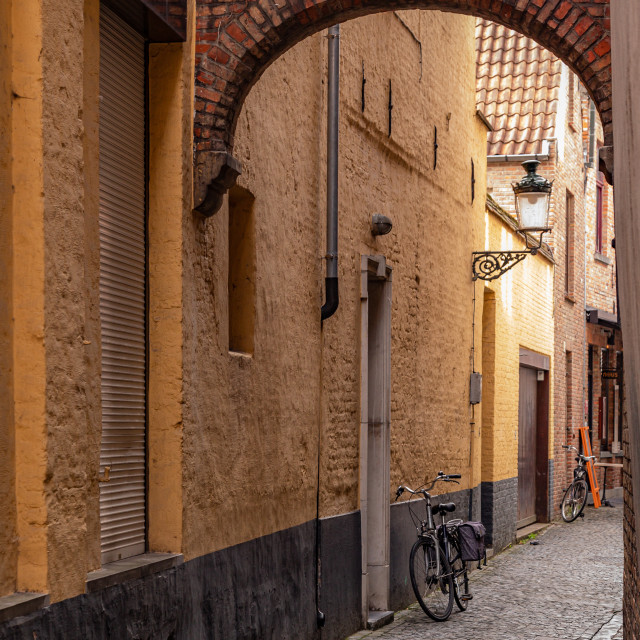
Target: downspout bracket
x,y
215,173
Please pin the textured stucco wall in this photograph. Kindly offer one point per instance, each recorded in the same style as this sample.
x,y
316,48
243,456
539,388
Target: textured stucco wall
x,y
250,423
56,340
91,337
28,296
233,440
70,436
7,487
522,316
429,248
302,379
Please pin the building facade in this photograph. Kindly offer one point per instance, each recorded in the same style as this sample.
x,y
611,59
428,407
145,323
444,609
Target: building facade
x,y
184,435
517,402
539,110
258,434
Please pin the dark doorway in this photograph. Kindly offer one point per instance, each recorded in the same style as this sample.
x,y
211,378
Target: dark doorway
x,y
533,439
527,420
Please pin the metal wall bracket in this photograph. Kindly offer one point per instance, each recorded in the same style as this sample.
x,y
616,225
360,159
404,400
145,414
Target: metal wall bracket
x,y
435,147
216,173
490,265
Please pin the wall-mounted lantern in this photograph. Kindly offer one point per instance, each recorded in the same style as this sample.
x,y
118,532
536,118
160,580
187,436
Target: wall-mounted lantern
x,y
533,197
380,225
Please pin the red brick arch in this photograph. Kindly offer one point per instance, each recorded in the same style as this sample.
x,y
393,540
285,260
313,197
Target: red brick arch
x,y
238,39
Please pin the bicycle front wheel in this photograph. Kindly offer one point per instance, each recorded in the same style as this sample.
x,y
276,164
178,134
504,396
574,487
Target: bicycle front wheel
x,y
431,580
575,498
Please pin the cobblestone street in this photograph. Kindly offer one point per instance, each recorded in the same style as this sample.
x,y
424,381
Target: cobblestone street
x,y
567,586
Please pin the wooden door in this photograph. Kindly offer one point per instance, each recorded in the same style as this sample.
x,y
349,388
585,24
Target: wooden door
x,y
527,420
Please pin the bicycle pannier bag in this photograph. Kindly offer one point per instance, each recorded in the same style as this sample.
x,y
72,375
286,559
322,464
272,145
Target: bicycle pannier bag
x,y
472,541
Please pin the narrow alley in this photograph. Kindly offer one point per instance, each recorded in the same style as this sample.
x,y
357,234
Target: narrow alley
x,y
569,585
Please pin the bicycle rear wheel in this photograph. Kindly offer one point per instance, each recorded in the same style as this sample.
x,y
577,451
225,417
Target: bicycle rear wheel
x,y
574,500
460,576
433,586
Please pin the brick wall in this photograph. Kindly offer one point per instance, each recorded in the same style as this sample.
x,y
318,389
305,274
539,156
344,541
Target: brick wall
x,y
600,288
601,271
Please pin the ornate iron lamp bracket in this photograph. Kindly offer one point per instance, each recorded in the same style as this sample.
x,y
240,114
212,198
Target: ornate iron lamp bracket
x,y
490,265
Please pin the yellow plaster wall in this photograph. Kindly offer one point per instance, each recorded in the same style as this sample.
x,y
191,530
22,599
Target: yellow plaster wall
x,y
251,423
8,541
170,135
232,436
54,294
521,315
28,296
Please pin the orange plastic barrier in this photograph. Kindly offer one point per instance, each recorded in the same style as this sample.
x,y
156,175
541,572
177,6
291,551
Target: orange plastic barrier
x,y
591,470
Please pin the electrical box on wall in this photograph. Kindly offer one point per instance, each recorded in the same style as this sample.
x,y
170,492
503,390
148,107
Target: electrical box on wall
x,y
475,388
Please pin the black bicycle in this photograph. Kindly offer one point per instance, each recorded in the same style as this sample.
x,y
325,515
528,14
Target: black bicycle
x,y
438,572
575,497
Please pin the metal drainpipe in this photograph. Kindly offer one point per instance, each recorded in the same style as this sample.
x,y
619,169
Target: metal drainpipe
x,y
331,280
593,161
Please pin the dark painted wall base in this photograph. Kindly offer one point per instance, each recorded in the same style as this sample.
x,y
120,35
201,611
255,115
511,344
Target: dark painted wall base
x,y
500,511
341,575
262,589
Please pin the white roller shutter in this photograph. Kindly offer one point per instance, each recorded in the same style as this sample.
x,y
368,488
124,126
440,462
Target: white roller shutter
x,y
122,289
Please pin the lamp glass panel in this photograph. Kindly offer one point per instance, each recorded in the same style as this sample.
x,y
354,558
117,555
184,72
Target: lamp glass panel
x,y
533,210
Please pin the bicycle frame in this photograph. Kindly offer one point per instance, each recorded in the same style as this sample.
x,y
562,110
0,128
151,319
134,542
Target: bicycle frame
x,y
439,578
581,469
574,499
427,528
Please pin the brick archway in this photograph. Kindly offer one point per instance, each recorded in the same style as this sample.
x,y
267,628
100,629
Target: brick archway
x,y
238,39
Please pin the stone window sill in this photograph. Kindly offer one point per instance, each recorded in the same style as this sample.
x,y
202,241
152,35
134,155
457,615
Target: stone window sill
x,y
131,569
21,604
600,257
241,355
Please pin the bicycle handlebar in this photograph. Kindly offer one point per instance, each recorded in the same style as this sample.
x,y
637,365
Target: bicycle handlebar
x,y
451,477
583,457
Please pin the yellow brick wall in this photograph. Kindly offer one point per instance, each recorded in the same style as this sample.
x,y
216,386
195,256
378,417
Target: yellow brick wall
x,y
518,313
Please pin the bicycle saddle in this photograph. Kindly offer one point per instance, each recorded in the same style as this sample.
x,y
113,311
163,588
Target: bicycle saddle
x,y
445,507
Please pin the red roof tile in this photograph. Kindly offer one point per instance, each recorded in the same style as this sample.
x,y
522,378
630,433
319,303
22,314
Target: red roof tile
x,y
517,84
